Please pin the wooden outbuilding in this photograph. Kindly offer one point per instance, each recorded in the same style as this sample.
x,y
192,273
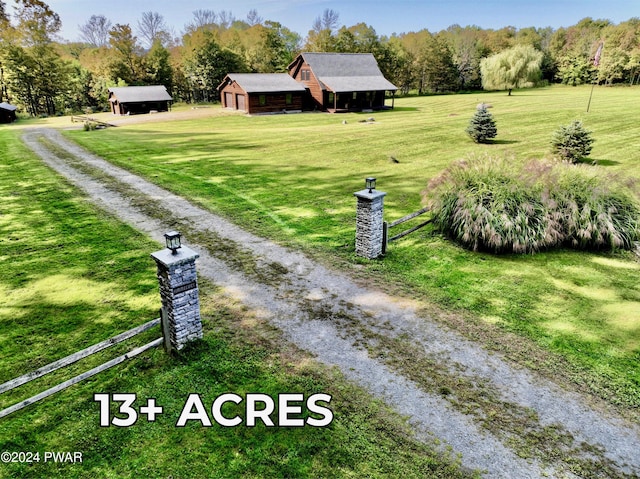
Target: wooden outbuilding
x,y
342,81
131,100
257,93
7,113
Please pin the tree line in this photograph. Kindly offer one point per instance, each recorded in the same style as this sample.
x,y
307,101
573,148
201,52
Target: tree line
x,y
46,75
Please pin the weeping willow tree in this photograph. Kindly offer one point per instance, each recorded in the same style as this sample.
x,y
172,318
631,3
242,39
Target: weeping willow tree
x,y
517,67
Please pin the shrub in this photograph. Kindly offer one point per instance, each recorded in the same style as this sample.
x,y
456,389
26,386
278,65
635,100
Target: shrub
x,y
494,204
482,126
572,142
90,125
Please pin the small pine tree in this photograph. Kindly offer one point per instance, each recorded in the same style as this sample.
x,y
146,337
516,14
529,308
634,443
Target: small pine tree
x,y
572,142
482,126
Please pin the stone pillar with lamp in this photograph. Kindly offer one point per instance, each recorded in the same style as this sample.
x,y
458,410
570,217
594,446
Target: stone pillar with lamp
x,y
369,221
180,312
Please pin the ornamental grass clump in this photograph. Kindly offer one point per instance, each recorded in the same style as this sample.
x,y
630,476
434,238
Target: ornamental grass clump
x,y
599,211
498,205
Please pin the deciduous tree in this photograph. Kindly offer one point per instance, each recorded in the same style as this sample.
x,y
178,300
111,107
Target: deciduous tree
x,y
96,31
321,37
37,23
516,67
31,70
253,18
206,67
126,62
3,13
152,28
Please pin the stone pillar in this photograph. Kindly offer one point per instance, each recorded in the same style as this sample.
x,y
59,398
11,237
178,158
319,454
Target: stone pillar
x,y
179,293
369,235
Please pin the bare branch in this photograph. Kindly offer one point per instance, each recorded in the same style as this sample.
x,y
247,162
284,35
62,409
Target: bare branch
x,y
225,19
152,27
253,18
96,31
330,20
204,17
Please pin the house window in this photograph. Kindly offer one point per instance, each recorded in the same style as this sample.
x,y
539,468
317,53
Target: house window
x,y
355,95
331,97
289,99
305,75
263,100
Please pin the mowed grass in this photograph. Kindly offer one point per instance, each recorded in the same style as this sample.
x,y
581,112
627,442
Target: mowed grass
x,y
73,276
292,178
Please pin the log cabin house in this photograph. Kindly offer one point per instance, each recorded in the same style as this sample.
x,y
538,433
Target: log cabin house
x,y
334,82
131,100
342,81
262,93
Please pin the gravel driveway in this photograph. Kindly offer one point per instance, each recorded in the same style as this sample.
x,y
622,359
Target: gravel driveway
x,y
491,417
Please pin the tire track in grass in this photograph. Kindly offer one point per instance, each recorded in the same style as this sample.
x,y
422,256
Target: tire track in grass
x,y
501,420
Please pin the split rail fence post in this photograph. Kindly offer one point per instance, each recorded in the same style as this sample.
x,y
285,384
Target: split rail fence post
x,y
180,313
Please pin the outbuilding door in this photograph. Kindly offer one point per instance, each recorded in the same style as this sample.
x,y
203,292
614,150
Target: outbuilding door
x,y
240,102
228,100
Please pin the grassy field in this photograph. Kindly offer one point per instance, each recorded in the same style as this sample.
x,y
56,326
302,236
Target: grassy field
x,y
73,276
291,178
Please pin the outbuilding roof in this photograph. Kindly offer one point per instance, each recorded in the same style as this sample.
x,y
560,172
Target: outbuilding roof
x,y
344,72
263,82
138,94
7,106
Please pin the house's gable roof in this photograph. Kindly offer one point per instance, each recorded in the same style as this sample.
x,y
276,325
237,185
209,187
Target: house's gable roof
x,y
344,72
263,82
138,94
7,106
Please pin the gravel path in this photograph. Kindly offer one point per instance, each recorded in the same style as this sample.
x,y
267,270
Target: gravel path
x,y
326,313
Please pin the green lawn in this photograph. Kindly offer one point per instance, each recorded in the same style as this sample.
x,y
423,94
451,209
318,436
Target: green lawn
x,y
73,276
291,178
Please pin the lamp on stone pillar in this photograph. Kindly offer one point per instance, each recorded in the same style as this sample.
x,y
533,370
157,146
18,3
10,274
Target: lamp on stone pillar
x,y
370,184
172,239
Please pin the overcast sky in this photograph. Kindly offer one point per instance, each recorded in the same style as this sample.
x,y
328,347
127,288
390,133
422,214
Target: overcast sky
x,y
385,16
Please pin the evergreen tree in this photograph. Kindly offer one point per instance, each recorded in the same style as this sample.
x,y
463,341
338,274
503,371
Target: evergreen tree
x,y
158,67
440,72
572,142
482,126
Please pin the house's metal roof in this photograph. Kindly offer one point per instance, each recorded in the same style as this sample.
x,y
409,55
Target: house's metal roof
x,y
7,106
138,94
342,72
264,82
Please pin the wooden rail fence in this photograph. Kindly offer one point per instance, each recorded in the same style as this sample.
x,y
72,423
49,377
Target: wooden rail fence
x,y
387,226
72,358
79,118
